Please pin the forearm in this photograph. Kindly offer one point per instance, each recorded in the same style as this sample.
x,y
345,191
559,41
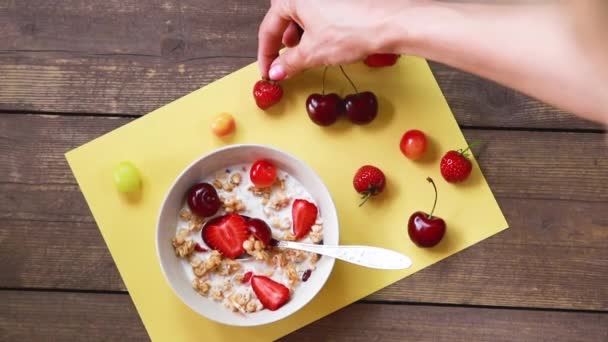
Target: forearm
x,y
529,47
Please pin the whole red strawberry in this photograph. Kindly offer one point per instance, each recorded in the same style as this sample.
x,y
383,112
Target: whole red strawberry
x,y
369,181
456,166
267,93
379,60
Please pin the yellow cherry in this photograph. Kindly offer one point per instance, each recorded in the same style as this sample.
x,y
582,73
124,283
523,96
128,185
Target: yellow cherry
x,y
222,124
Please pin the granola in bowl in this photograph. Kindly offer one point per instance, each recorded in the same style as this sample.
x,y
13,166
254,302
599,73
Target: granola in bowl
x,y
229,255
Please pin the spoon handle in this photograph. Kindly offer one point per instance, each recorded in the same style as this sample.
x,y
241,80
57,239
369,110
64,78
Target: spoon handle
x,y
373,257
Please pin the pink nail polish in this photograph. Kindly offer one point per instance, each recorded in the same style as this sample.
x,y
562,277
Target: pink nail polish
x,y
277,72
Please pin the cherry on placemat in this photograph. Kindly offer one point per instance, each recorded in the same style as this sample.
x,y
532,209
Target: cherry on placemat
x,y
413,144
222,124
324,109
362,107
426,230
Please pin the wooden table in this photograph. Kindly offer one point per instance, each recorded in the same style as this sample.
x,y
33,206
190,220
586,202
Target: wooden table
x,y
72,70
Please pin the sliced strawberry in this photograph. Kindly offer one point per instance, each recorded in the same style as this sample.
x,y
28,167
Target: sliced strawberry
x,y
303,215
271,294
226,234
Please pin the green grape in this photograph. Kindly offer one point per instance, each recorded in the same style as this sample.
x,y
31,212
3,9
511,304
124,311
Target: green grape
x,y
126,177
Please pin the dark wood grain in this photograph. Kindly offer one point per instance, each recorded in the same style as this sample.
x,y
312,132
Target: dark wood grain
x,y
34,316
373,322
131,57
556,251
61,316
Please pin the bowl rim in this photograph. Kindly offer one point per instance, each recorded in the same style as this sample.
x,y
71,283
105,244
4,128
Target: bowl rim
x,y
314,174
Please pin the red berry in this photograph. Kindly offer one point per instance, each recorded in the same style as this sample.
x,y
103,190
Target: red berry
x,y
260,230
271,294
455,166
413,144
324,110
226,234
246,277
303,214
306,275
379,60
426,230
267,93
361,108
263,173
203,200
369,181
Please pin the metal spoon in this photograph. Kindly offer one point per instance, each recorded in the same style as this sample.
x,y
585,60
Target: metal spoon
x,y
367,256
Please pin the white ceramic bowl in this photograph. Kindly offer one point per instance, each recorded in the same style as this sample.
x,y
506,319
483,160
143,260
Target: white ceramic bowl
x,y
207,165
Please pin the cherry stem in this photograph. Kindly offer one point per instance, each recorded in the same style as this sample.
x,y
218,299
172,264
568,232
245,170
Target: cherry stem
x,y
473,144
323,89
430,180
349,80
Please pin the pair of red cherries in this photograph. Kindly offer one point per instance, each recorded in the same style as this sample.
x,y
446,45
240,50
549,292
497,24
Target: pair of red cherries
x,y
360,108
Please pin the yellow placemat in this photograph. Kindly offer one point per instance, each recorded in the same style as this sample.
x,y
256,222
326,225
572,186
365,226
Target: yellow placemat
x,y
163,142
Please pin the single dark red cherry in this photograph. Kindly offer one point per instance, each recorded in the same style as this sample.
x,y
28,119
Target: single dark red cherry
x,y
203,200
426,230
324,110
260,230
361,108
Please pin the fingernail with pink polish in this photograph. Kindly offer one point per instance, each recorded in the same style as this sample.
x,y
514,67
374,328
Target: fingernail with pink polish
x,y
277,72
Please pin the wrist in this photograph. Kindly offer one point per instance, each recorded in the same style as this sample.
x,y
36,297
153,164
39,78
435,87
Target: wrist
x,y
415,29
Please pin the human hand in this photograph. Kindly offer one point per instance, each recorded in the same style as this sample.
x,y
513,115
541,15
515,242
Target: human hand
x,y
335,32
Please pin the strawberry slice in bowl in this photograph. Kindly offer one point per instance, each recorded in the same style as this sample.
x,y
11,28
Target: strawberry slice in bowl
x,y
304,214
226,234
272,294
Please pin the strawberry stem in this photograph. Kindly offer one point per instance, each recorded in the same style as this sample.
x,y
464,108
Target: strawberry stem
x,y
365,198
473,144
349,80
323,89
430,180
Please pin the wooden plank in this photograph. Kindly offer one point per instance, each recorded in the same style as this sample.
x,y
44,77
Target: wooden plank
x,y
64,316
518,164
131,57
556,254
33,316
376,322
556,251
479,102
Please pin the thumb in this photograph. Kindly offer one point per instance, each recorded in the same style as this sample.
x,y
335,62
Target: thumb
x,y
291,62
